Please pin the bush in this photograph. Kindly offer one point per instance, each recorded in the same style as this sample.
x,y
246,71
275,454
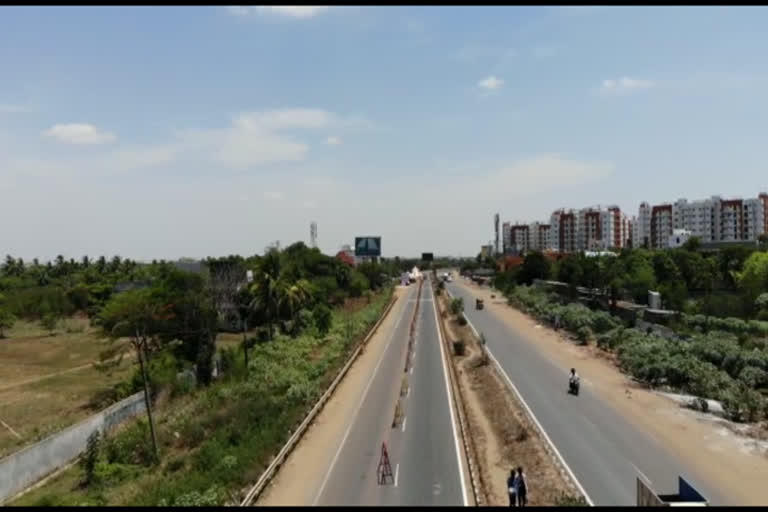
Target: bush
x,y
743,404
457,306
462,320
584,334
322,318
604,322
566,500
91,457
49,322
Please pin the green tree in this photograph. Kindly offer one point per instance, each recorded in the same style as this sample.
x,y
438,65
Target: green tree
x,y
135,315
265,288
753,280
693,244
535,266
294,296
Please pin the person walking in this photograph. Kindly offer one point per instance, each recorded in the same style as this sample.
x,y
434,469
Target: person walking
x,y
521,487
511,489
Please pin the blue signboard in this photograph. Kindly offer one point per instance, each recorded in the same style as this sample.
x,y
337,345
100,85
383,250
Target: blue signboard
x,y
368,246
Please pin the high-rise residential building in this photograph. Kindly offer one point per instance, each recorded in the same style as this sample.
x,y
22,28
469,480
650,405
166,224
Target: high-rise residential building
x,y
563,231
520,238
642,235
539,236
662,225
711,220
505,240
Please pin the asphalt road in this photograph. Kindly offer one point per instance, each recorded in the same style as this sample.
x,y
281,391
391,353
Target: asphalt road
x,y
605,452
423,450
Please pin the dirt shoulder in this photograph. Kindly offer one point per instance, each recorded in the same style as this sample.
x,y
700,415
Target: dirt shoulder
x,y
304,469
502,434
732,463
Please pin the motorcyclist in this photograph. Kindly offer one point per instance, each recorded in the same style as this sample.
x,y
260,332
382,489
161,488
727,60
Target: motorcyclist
x,y
573,379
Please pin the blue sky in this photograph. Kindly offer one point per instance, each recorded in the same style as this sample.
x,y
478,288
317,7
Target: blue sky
x,y
166,132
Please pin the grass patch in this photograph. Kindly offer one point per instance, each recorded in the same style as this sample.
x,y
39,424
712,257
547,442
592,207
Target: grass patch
x,y
216,441
41,408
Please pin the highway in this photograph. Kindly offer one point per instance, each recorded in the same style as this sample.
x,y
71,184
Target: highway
x,y
424,449
603,451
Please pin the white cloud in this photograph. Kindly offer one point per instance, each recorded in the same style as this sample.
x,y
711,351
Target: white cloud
x,y
79,133
491,83
625,84
292,11
333,141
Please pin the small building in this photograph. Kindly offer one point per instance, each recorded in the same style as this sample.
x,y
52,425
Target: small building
x,y
678,238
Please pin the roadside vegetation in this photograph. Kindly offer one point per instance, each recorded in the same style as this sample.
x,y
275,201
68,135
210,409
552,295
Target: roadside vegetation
x,y
217,412
708,355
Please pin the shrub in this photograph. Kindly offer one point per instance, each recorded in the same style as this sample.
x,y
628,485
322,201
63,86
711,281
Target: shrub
x,y
566,500
584,334
457,306
49,322
91,456
743,404
462,320
603,322
322,318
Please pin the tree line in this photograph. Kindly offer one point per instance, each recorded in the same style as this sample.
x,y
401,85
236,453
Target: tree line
x,y
731,282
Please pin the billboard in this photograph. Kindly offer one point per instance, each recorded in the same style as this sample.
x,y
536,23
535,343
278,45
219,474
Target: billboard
x,y
368,246
427,256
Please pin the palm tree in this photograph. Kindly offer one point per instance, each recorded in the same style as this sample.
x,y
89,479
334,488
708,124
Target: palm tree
x,y
294,295
265,287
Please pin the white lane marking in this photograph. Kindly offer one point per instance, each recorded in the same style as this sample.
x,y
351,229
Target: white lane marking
x,y
397,472
411,370
450,405
357,409
533,416
404,422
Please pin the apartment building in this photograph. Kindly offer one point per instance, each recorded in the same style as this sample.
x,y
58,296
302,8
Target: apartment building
x,y
563,230
711,220
505,237
540,239
642,234
520,238
662,225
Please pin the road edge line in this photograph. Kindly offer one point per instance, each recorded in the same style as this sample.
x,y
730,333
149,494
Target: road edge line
x,y
273,467
532,416
452,402
359,406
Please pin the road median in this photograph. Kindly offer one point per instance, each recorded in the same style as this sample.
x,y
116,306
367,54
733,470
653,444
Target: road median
x,y
501,431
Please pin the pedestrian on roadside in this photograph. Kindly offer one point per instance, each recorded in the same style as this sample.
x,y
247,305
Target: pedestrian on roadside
x,y
511,489
521,487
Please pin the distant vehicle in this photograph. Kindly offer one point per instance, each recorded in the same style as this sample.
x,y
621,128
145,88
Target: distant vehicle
x,y
479,304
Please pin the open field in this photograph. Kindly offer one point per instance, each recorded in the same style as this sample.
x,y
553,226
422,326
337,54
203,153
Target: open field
x,y
47,382
217,440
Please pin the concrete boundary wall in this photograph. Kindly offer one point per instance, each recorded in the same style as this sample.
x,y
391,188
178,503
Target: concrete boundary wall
x,y
29,465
